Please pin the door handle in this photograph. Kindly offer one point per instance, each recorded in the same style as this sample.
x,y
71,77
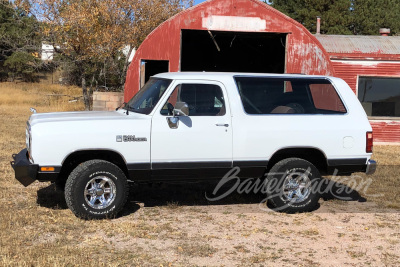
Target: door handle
x,y
222,124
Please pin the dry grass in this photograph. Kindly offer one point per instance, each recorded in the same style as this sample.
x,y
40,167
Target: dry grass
x,y
36,228
383,187
43,97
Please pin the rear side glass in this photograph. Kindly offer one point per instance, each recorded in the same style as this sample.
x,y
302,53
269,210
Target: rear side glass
x,y
262,95
325,97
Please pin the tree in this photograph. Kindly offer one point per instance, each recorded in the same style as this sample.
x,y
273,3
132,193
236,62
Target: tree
x,y
22,63
343,16
335,14
19,42
93,32
371,15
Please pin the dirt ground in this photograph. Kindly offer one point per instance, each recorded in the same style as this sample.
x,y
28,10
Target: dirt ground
x,y
175,225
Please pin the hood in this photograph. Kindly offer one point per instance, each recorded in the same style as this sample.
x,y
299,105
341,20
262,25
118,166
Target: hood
x,y
83,115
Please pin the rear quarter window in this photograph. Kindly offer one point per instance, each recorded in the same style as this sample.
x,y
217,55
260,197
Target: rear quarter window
x,y
265,95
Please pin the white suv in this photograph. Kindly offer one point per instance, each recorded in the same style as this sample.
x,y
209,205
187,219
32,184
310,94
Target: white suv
x,y
198,126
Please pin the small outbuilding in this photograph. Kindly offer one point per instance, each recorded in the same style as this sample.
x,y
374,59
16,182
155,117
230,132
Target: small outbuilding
x,y
371,66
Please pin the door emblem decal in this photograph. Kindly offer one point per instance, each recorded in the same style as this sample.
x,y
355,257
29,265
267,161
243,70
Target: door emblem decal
x,y
130,138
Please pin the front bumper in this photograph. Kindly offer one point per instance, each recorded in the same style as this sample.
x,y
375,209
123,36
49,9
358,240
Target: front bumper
x,y
25,171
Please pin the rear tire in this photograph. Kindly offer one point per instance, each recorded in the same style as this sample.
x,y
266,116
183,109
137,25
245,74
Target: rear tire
x,y
96,189
291,186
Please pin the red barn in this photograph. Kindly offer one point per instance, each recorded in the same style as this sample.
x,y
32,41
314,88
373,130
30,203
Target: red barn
x,y
251,36
228,35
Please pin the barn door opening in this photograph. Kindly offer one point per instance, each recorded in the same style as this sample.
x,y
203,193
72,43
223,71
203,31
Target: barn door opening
x,y
233,51
149,68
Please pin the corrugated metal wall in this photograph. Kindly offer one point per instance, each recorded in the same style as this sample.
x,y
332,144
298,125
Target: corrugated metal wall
x,y
351,70
384,130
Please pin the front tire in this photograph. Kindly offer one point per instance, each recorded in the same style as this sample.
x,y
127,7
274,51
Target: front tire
x,y
96,189
291,186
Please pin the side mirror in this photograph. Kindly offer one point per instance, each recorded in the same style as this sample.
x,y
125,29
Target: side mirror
x,y
173,122
181,109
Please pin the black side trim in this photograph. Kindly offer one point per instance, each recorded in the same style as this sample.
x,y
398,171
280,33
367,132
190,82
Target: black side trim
x,y
191,165
190,171
346,166
138,166
252,163
345,162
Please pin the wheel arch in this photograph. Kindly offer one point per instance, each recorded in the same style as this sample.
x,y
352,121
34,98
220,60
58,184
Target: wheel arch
x,y
72,160
312,154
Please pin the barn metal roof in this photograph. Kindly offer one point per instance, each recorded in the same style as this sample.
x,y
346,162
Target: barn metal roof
x,y
360,44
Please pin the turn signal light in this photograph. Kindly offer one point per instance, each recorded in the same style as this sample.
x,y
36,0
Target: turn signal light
x,y
370,142
47,169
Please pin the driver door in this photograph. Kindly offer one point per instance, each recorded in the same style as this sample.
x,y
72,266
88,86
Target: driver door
x,y
200,147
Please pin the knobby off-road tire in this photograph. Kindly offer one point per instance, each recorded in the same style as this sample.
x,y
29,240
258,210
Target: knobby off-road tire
x,y
96,189
291,186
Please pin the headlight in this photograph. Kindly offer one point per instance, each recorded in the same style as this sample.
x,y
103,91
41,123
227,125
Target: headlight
x,y
28,140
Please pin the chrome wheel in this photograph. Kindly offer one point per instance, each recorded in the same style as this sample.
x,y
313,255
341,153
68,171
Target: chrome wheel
x,y
100,192
297,185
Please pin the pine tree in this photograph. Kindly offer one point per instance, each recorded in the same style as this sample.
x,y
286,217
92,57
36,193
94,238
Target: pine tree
x,y
371,15
19,41
335,14
362,17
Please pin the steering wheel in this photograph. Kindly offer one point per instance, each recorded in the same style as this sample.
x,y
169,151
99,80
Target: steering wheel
x,y
299,109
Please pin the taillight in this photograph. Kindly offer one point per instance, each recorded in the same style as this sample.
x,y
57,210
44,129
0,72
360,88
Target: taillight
x,y
370,142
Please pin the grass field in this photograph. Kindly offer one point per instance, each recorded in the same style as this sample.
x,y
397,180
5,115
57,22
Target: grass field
x,y
176,226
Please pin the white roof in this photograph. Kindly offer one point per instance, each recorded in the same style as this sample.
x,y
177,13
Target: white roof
x,y
211,75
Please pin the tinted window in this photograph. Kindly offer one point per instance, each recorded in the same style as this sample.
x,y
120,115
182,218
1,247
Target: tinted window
x,y
261,95
202,99
380,96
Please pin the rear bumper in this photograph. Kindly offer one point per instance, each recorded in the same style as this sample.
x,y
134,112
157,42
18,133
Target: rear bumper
x,y
25,171
371,167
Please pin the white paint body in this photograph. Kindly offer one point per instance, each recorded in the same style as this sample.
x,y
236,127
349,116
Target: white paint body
x,y
246,138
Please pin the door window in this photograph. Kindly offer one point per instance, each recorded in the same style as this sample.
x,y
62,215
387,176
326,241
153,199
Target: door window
x,y
202,99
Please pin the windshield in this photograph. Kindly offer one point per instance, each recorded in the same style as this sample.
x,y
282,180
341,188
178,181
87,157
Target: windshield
x,y
147,97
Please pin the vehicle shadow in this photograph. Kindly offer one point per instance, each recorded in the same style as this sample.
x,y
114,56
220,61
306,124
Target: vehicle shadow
x,y
334,190
193,194
51,198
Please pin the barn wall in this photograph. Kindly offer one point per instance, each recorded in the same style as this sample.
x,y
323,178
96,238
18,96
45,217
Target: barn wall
x,y
350,70
304,52
386,130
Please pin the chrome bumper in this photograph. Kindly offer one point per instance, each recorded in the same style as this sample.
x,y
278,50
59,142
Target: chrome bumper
x,y
371,167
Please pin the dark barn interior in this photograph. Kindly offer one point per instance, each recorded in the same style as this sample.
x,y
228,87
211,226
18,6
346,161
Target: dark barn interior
x,y
232,51
152,67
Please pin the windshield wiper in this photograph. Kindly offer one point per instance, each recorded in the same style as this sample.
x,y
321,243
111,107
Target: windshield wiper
x,y
122,106
127,107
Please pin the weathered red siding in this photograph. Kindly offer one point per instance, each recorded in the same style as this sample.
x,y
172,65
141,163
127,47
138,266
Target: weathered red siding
x,y
351,70
384,131
353,56
304,52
